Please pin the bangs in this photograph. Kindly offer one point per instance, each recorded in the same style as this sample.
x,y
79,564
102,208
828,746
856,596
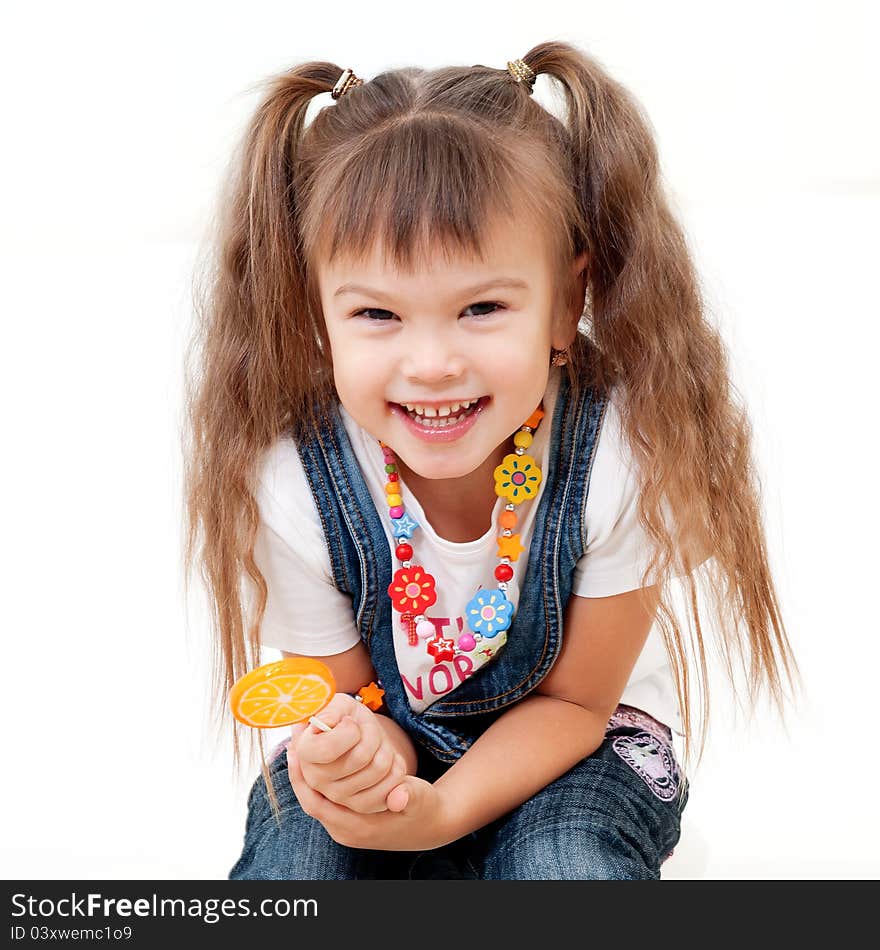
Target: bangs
x,y
425,186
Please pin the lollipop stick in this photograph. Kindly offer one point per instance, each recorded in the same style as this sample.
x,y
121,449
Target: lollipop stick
x,y
319,725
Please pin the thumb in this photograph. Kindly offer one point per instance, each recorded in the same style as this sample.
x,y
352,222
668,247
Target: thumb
x,y
401,795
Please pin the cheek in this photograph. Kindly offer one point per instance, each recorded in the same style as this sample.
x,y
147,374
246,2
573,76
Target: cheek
x,y
521,353
356,373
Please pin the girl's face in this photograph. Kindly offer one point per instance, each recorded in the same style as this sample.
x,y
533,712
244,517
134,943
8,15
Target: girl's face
x,y
459,331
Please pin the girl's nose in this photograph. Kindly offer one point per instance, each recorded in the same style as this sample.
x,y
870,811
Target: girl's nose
x,y
432,359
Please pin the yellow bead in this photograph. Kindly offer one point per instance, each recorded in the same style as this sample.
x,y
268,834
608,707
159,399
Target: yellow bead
x,y
523,439
394,500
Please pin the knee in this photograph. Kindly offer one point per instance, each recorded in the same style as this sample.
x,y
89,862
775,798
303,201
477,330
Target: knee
x,y
568,854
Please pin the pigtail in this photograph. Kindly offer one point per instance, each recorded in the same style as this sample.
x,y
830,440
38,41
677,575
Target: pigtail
x,y
256,346
689,434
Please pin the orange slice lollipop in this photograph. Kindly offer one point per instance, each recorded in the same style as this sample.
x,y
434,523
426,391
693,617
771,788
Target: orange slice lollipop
x,y
282,693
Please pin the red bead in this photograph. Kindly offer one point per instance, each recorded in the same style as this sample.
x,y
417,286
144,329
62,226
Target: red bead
x,y
504,572
404,552
393,476
441,649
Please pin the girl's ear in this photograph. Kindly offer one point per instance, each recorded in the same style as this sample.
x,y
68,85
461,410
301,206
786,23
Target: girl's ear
x,y
579,274
566,329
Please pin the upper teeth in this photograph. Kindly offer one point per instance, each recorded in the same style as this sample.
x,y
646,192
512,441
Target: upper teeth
x,y
431,411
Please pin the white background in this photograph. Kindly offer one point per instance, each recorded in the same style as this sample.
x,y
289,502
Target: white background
x,y
119,121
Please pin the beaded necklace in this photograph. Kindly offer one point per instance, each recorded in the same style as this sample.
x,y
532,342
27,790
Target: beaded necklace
x,y
413,589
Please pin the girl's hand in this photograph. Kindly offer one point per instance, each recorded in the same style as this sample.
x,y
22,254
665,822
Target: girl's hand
x,y
421,821
354,765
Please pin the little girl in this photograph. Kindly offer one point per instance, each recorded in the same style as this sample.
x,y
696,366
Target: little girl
x,y
459,423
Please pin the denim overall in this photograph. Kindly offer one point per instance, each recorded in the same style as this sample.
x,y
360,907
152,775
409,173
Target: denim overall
x,y
644,769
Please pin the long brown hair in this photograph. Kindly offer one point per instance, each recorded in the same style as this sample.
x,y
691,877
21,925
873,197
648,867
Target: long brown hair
x,y
416,162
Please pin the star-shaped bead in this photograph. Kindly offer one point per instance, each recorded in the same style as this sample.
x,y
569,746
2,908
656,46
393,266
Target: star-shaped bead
x,y
371,696
510,547
404,526
441,649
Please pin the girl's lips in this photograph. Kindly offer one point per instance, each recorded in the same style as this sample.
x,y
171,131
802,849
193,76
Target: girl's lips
x,y
447,433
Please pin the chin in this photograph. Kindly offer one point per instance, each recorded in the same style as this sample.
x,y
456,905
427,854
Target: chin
x,y
436,469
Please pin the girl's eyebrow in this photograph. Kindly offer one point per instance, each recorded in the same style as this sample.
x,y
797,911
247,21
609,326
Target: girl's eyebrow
x,y
512,282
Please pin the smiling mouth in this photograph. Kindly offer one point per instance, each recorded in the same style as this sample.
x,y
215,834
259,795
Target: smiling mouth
x,y
443,422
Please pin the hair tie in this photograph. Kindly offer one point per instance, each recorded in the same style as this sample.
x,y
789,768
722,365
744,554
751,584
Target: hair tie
x,y
345,82
521,72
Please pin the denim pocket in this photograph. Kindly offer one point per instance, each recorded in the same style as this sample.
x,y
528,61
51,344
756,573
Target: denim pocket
x,y
652,759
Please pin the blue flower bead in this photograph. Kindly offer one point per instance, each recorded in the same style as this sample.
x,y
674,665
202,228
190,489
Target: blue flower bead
x,y
488,612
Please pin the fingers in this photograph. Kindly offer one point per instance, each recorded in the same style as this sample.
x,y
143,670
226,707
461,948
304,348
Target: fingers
x,y
372,800
368,761
355,764
362,755
343,714
321,748
367,802
398,798
349,746
385,762
309,799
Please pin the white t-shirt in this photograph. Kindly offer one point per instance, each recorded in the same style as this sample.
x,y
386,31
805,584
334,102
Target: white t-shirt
x,y
306,614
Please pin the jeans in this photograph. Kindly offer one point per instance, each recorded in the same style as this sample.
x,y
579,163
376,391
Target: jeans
x,y
614,816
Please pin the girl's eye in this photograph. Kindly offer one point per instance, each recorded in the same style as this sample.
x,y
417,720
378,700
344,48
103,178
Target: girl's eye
x,y
368,313
381,316
490,304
